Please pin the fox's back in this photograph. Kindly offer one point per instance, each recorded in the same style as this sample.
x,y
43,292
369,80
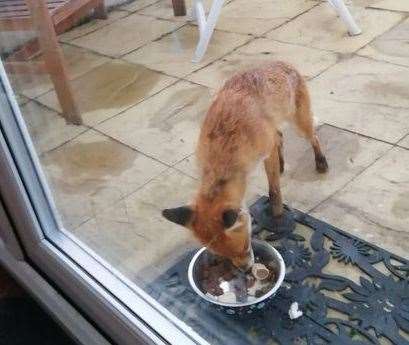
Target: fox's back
x,y
241,124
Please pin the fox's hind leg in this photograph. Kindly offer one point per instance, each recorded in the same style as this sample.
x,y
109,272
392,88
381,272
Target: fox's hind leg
x,y
305,124
272,167
280,150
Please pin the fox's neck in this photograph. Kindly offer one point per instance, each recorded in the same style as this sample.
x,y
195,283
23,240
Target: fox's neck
x,y
230,190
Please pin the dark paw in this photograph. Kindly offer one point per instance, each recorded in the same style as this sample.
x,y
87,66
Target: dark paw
x,y
281,224
277,225
321,164
264,220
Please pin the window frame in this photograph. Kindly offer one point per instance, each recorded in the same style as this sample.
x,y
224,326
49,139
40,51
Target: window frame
x,y
12,259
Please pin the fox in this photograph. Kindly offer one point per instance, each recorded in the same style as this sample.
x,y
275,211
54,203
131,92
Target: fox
x,y
240,130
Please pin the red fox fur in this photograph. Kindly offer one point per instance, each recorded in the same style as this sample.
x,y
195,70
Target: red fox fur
x,y
241,128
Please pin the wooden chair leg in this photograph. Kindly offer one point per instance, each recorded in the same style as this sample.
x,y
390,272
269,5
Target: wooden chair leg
x,y
179,7
100,11
54,60
56,68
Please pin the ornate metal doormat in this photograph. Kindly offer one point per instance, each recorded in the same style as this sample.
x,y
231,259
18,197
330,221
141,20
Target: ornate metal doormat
x,y
351,292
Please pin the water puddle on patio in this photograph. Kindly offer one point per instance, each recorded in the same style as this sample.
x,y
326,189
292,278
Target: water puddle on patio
x,y
86,166
115,86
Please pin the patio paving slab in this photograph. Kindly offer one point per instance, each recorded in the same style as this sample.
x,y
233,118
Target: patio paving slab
x,y
365,81
47,128
376,121
358,3
392,46
375,205
259,16
365,96
261,51
110,89
133,235
126,35
165,126
173,53
91,26
347,154
137,5
393,5
93,172
321,28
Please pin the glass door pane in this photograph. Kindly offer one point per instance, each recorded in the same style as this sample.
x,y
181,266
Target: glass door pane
x,y
98,198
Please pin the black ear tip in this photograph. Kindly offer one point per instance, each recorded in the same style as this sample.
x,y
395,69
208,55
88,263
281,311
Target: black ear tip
x,y
179,215
169,214
166,213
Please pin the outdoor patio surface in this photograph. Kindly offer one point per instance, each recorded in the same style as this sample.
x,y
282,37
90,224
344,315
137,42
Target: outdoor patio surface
x,y
143,100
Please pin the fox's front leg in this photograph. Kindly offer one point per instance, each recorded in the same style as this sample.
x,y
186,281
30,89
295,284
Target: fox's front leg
x,y
272,167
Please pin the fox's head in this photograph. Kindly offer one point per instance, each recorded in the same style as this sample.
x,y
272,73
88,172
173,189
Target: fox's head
x,y
223,229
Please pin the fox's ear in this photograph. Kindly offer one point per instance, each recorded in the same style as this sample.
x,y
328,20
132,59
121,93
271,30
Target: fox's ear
x,y
230,218
179,215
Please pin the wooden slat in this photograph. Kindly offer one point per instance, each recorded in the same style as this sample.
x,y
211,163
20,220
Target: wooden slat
x,y
15,24
24,8
15,8
6,3
21,3
73,11
11,14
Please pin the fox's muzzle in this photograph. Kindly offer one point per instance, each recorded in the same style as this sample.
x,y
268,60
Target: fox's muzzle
x,y
246,262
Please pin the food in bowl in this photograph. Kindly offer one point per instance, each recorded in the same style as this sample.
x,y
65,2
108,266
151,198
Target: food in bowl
x,y
229,301
219,280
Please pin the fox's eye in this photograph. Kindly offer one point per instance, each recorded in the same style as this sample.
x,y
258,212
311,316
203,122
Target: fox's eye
x,y
229,218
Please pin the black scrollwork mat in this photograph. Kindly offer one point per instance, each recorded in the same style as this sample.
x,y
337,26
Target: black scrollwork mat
x,y
351,292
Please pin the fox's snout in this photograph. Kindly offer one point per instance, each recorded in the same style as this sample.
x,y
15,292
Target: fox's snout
x,y
244,264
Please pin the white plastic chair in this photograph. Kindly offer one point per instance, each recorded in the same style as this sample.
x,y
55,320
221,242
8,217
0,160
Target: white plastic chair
x,y
346,17
207,25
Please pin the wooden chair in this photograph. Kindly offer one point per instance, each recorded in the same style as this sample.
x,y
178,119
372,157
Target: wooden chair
x,y
47,18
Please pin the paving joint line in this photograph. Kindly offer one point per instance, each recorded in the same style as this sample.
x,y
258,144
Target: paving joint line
x,y
312,209
361,134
